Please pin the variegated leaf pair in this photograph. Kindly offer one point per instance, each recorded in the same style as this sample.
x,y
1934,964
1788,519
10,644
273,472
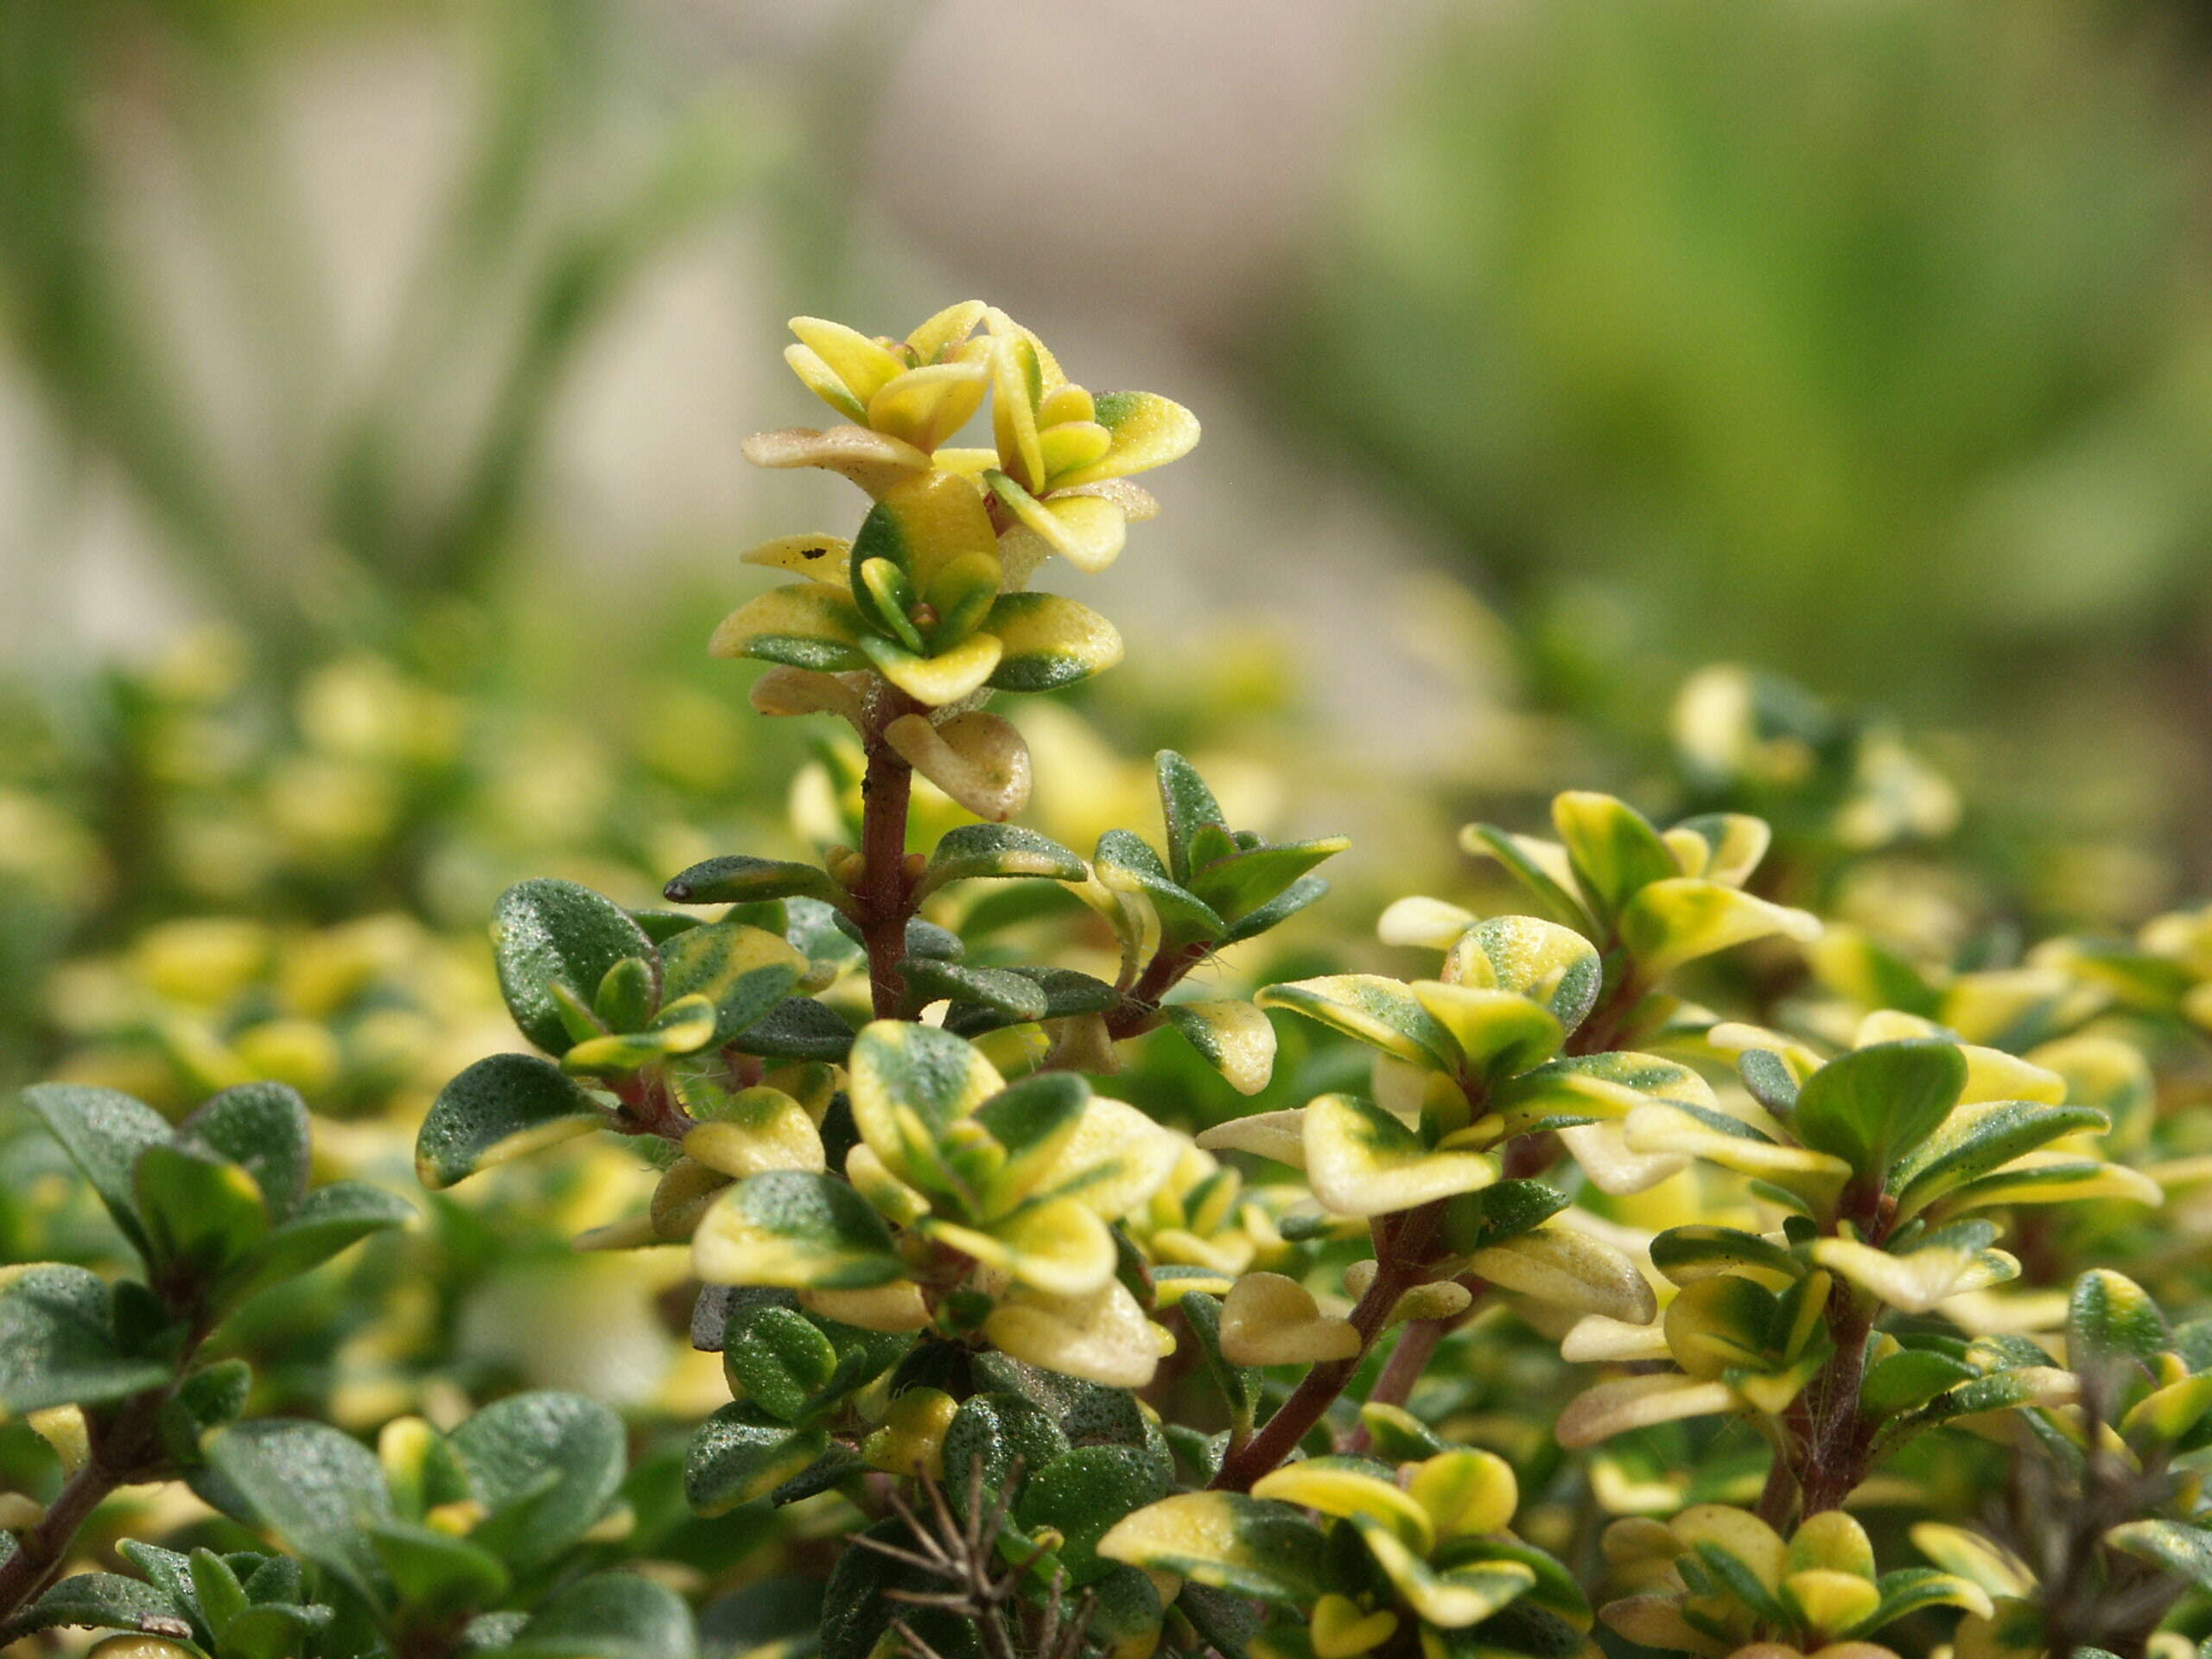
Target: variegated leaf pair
x,y
1716,1580
1348,1551
1465,1062
920,597
969,1202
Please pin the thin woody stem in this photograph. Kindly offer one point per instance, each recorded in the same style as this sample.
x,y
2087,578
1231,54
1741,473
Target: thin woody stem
x,y
1139,1012
1400,1256
886,890
124,1451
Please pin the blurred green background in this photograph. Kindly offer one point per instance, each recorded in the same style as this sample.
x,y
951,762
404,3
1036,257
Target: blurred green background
x,y
372,378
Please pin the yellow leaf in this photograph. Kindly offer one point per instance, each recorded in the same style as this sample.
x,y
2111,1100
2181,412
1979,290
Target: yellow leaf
x,y
859,363
926,406
1615,1407
1103,1338
1466,1493
1058,1247
1568,1270
873,460
818,558
946,677
1343,1488
1268,1319
1148,430
977,758
1363,1162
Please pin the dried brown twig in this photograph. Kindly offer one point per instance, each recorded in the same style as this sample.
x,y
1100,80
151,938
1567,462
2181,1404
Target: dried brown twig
x,y
964,1554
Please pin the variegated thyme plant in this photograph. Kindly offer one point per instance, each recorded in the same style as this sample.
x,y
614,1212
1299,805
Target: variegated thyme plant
x,y
1652,1267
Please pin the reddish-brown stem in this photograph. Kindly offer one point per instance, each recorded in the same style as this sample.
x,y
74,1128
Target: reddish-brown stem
x,y
651,1108
885,891
1407,1361
1601,1027
1836,1454
1400,1257
1782,1488
125,1451
1140,1011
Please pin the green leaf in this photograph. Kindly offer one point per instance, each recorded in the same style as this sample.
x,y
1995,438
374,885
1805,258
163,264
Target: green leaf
x,y
608,1616
734,1458
435,1574
547,1464
57,1341
1769,1078
166,1570
1065,992
743,971
796,1230
1476,1221
784,1612
1874,1105
1613,850
798,1028
884,596
856,1607
2110,1320
262,1127
1687,1255
1238,1385
1996,1391
626,995
1909,1589
1306,890
2182,1550
217,1589
546,932
778,1359
317,1489
1010,1436
1979,1139
102,1130
202,1212
1908,1380
1244,881
739,879
1082,1494
1225,1622
209,1399
987,850
1015,996
1033,1118
332,1218
662,925
1126,864
106,1601
1562,904
1187,806
503,1107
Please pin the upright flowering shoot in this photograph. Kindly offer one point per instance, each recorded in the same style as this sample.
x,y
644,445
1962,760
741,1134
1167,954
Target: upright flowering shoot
x,y
931,596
